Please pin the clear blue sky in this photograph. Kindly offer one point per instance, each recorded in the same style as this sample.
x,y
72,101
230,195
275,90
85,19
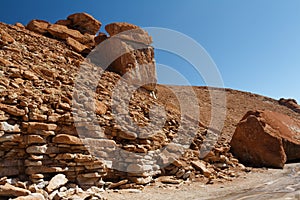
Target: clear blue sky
x,y
255,43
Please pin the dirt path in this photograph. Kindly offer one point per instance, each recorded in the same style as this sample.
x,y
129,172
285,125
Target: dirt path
x,y
269,184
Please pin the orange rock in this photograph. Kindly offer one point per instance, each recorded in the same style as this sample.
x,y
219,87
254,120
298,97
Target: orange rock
x,y
67,139
118,27
63,32
77,46
38,26
5,37
100,108
13,110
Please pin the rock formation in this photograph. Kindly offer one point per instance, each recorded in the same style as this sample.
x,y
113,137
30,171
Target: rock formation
x,y
290,103
42,151
266,138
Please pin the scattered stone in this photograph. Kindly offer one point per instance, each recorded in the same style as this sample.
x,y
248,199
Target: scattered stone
x,y
199,165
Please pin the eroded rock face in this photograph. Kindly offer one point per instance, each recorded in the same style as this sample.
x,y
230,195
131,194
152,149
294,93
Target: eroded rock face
x,y
138,62
266,138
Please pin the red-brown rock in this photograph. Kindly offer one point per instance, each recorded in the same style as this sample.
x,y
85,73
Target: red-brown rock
x,y
85,23
118,27
135,55
77,46
290,103
266,138
38,26
100,38
63,32
5,38
67,139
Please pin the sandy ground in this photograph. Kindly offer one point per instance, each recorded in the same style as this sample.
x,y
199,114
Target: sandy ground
x,y
267,184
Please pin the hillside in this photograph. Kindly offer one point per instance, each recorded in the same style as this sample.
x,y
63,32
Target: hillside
x,y
55,133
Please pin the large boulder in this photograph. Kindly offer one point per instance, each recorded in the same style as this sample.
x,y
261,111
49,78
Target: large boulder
x,y
84,22
266,139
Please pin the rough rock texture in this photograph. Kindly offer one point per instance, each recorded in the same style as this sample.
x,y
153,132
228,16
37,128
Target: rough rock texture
x,y
137,64
56,182
12,191
115,28
85,23
266,138
38,26
40,136
290,103
79,30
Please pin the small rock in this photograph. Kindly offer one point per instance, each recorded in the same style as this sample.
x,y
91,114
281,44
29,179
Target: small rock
x,y
198,165
77,46
168,180
5,37
12,191
56,182
118,184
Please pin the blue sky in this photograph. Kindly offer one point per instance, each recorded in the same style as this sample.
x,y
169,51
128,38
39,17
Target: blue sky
x,y
254,43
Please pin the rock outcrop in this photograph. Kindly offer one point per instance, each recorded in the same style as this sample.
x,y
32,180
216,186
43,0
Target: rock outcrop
x,y
137,64
266,139
78,30
290,103
39,137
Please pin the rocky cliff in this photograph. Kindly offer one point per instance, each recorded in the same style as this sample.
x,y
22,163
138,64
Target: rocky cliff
x,y
52,135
